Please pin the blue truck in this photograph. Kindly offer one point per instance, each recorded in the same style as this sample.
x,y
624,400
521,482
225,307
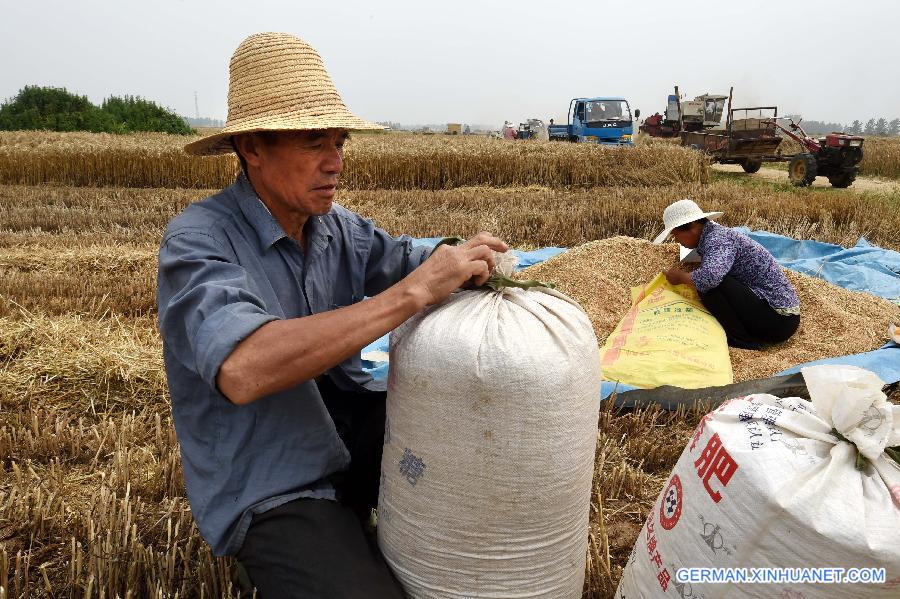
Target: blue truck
x,y
606,121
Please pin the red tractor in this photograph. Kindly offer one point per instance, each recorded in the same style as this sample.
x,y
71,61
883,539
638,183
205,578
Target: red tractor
x,y
836,156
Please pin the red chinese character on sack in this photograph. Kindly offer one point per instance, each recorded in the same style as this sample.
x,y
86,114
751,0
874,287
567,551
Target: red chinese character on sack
x,y
715,459
649,526
656,559
664,577
651,545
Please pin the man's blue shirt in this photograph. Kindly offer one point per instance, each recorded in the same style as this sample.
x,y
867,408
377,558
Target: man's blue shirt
x,y
226,267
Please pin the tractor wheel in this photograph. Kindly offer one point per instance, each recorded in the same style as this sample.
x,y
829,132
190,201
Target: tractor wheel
x,y
802,170
842,180
751,165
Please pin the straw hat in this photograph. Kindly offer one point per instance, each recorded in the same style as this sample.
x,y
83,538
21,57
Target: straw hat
x,y
680,213
278,82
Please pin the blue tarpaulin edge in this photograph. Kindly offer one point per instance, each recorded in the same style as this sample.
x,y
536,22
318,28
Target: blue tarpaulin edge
x,y
884,362
864,267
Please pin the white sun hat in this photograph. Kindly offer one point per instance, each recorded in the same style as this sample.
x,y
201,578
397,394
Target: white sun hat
x,y
680,213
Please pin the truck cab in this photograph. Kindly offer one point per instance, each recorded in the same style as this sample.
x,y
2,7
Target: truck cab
x,y
606,121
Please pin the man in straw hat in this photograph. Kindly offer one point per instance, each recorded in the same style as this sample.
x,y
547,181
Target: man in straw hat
x,y
262,319
738,280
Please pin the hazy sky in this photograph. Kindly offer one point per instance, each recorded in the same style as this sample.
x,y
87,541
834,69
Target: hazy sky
x,y
473,62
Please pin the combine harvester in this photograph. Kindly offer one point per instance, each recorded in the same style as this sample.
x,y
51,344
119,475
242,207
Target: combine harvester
x,y
756,136
533,129
601,120
698,114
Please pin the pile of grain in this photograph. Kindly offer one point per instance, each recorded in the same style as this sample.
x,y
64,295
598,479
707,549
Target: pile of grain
x,y
834,321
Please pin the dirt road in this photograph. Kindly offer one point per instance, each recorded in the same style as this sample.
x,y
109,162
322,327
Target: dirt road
x,y
862,184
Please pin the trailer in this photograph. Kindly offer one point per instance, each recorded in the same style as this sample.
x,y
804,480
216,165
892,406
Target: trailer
x,y
749,140
753,135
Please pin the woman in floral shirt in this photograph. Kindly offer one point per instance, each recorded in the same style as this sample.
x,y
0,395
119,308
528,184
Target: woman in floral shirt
x,y
738,280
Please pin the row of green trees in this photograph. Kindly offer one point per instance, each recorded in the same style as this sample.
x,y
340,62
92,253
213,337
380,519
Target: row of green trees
x,y
873,126
57,109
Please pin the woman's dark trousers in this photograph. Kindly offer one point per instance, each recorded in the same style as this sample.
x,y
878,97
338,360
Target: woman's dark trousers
x,y
749,321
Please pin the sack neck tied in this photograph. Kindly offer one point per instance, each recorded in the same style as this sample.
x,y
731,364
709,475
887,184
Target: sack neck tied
x,y
505,266
851,400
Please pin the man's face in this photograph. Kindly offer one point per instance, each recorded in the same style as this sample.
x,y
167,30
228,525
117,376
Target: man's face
x,y
296,172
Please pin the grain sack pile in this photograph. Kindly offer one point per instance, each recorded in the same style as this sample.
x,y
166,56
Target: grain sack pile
x,y
834,321
492,411
768,487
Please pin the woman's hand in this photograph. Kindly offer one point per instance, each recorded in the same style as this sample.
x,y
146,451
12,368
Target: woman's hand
x,y
676,276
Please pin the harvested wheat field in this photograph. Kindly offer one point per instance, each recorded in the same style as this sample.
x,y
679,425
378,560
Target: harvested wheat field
x,y
834,321
92,496
62,278
92,501
535,216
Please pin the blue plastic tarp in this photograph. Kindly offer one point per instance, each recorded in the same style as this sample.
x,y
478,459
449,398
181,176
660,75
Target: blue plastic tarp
x,y
377,368
864,267
607,388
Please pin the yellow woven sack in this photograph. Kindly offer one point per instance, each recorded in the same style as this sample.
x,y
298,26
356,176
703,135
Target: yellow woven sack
x,y
667,338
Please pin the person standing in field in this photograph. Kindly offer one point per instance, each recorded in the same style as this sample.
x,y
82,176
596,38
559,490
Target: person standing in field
x,y
738,280
262,313
508,131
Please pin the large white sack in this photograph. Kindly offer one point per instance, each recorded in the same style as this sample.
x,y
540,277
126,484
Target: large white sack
x,y
765,482
492,412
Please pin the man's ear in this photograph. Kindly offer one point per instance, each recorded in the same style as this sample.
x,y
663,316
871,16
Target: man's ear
x,y
248,146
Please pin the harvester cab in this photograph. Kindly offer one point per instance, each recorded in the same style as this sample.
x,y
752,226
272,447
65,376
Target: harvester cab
x,y
836,156
698,114
702,112
713,107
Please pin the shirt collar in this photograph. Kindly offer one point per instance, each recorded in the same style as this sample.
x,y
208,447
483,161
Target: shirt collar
x,y
268,231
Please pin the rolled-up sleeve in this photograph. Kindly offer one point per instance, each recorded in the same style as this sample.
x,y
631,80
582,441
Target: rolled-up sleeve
x,y
206,302
391,259
715,264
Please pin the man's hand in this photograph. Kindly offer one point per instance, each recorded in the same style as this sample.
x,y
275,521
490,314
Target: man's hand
x,y
449,268
676,276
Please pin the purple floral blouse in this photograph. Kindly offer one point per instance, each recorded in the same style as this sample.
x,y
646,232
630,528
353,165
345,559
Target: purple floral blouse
x,y
725,251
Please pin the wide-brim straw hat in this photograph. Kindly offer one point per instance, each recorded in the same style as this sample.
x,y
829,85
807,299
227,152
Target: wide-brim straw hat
x,y
278,82
681,213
